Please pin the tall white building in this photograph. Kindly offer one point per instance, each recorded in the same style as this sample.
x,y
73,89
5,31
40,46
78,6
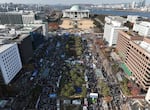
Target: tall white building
x,y
133,4
10,62
75,12
112,25
142,28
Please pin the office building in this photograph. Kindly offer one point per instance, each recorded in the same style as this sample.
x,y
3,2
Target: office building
x,y
35,33
16,17
28,38
138,61
116,20
75,12
112,26
10,18
38,23
123,42
25,47
133,18
135,50
142,28
10,62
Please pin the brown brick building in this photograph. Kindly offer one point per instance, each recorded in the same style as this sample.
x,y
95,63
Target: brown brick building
x,y
135,52
123,42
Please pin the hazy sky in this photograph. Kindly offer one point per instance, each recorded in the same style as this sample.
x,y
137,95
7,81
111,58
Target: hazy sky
x,y
70,1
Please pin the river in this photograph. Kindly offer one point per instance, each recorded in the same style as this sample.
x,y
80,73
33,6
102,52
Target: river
x,y
119,12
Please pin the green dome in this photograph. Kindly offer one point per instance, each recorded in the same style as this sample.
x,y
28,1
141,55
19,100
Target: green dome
x,y
75,8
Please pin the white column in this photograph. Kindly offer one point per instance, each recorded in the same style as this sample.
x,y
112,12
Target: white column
x,y
81,14
73,15
67,14
78,14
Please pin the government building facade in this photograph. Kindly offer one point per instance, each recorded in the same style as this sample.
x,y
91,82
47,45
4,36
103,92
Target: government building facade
x,y
75,12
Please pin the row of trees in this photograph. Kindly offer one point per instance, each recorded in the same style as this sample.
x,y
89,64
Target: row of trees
x,y
78,46
124,86
75,79
74,45
105,90
129,88
115,68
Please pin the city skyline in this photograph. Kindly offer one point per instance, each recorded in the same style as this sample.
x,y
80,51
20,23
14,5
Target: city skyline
x,y
68,2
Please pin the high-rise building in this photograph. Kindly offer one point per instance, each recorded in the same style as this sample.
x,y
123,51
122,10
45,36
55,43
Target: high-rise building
x,y
136,56
142,3
28,38
111,28
138,62
10,18
142,28
10,62
35,32
16,18
123,41
133,4
24,42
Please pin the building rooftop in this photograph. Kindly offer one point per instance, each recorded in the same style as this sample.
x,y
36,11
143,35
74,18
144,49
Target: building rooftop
x,y
145,23
19,12
132,35
15,33
116,19
144,45
7,36
21,37
5,47
27,29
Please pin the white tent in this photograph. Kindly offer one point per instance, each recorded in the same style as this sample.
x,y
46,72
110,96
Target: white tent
x,y
94,95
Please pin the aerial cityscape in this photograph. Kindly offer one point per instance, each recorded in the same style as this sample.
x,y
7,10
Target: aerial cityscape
x,y
75,55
